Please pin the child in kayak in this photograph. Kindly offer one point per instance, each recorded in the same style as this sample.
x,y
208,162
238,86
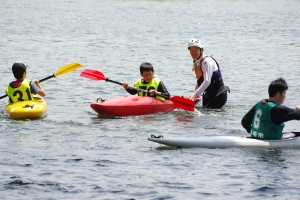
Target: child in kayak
x,y
153,85
266,119
20,89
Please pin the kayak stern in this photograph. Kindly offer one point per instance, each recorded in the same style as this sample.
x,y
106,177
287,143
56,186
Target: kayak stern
x,y
34,109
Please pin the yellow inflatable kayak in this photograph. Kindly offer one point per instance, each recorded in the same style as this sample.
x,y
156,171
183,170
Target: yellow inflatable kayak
x,y
33,109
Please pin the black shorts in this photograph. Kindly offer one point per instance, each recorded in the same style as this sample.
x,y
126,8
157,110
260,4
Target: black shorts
x,y
218,101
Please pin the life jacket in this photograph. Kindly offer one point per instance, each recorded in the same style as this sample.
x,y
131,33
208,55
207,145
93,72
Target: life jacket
x,y
153,85
262,125
198,68
216,79
20,93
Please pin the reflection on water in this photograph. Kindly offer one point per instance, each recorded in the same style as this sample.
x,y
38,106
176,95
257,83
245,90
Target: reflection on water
x,y
270,156
272,168
186,118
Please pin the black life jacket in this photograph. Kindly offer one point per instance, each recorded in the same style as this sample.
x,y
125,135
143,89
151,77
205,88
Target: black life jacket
x,y
216,80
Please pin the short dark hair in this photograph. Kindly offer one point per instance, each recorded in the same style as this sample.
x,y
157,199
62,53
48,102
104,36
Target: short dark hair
x,y
146,67
18,69
277,85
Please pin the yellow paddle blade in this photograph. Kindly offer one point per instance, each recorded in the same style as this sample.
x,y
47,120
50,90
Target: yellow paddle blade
x,y
67,68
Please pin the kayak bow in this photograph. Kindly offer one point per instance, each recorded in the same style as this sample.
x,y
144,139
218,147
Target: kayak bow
x,y
132,105
228,142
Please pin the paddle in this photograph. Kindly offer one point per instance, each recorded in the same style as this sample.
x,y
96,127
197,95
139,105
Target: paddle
x,y
63,70
179,102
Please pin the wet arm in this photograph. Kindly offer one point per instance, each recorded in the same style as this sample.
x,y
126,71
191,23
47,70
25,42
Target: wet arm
x,y
128,89
247,119
163,90
42,92
282,113
131,91
36,88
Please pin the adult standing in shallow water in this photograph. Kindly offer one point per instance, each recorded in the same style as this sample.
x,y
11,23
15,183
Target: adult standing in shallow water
x,y
209,77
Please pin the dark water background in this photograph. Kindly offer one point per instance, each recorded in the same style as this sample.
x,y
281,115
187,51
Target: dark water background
x,y
74,154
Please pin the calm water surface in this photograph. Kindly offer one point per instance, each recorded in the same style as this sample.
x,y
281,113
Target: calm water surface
x,y
73,153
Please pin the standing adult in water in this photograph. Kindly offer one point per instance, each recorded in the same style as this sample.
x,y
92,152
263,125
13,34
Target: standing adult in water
x,y
210,83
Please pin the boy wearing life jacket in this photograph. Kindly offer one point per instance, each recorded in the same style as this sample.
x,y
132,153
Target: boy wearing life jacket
x,y
153,85
209,77
266,119
20,89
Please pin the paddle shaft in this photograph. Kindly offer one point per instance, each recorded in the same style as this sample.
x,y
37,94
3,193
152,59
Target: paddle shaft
x,y
63,70
44,79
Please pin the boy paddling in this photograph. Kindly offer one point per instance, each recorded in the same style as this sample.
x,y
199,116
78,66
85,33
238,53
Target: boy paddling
x,y
266,119
154,86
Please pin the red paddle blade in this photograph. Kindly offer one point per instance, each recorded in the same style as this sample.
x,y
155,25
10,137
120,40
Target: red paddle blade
x,y
183,103
93,74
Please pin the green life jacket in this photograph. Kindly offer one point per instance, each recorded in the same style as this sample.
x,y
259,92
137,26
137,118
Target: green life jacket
x,y
262,125
153,85
21,93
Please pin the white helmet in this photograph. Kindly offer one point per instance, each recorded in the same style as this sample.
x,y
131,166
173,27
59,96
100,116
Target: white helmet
x,y
195,43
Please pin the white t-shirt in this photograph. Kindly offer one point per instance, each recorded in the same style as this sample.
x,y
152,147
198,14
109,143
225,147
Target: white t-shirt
x,y
34,88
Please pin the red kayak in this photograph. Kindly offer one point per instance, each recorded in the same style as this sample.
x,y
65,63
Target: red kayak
x,y
132,105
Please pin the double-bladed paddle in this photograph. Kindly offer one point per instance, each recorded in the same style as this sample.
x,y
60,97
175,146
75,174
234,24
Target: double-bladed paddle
x,y
63,70
179,102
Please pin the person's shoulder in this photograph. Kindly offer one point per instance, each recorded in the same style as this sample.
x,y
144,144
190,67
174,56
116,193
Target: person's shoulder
x,y
285,107
33,85
208,61
157,79
10,84
281,108
31,82
141,81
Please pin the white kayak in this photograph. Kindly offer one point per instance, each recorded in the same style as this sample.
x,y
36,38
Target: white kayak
x,y
228,142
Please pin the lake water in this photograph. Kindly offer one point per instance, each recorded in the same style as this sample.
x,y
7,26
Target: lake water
x,y
73,153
